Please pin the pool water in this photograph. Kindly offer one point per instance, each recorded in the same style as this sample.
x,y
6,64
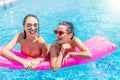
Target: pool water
x,y
90,18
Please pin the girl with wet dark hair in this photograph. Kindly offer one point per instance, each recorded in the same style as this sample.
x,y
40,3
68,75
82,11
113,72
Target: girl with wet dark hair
x,y
32,44
66,46
29,15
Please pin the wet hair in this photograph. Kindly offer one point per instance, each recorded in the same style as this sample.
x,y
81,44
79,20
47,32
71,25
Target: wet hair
x,y
70,27
29,15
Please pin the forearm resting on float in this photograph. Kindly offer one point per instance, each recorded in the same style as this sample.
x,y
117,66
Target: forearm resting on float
x,y
83,54
11,56
56,62
6,50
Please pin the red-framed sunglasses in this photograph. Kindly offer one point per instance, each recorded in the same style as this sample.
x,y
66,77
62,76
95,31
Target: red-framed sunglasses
x,y
60,33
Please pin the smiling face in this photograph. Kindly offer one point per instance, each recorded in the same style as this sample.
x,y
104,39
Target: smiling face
x,y
62,34
31,26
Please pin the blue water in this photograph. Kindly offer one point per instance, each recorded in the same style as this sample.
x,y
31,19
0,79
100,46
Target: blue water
x,y
90,18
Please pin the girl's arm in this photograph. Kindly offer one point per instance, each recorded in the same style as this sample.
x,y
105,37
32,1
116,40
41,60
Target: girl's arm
x,y
55,60
85,53
8,54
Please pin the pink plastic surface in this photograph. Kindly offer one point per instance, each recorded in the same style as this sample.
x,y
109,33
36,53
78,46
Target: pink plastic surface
x,y
98,45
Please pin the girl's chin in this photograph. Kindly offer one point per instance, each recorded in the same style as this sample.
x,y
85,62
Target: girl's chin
x,y
60,42
32,34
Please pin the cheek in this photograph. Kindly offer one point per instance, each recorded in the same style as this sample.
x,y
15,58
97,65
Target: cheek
x,y
25,28
65,38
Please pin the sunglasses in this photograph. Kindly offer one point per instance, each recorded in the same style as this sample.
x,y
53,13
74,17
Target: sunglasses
x,y
60,33
29,26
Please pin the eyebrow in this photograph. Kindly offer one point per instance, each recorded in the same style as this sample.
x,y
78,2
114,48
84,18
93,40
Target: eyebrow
x,y
31,23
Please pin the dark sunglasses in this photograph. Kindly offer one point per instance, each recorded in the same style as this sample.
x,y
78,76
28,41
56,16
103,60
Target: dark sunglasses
x,y
29,26
60,33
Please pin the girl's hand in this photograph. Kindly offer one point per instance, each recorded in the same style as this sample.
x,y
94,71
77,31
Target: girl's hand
x,y
65,47
27,64
35,62
65,59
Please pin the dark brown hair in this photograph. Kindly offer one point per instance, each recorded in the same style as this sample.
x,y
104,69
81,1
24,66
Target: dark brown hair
x,y
70,27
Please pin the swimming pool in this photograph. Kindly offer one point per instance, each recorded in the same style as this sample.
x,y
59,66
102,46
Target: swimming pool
x,y
90,18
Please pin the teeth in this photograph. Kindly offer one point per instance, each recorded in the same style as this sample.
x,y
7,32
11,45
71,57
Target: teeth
x,y
60,39
32,32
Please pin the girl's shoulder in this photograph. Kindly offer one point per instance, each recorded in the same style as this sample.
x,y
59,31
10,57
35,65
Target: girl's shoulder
x,y
41,41
19,36
75,39
55,45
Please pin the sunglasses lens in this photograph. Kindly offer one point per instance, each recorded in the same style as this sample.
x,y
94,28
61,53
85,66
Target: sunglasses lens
x,y
61,33
36,25
29,27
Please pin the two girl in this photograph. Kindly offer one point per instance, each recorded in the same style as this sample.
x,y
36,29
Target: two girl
x,y
34,45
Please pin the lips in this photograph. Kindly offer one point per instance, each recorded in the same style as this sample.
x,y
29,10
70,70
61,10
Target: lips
x,y
59,39
33,32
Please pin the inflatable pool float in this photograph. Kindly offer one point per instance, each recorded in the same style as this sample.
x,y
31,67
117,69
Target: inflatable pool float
x,y
98,45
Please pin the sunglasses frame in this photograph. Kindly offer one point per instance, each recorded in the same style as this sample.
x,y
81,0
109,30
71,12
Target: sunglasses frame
x,y
29,26
60,33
